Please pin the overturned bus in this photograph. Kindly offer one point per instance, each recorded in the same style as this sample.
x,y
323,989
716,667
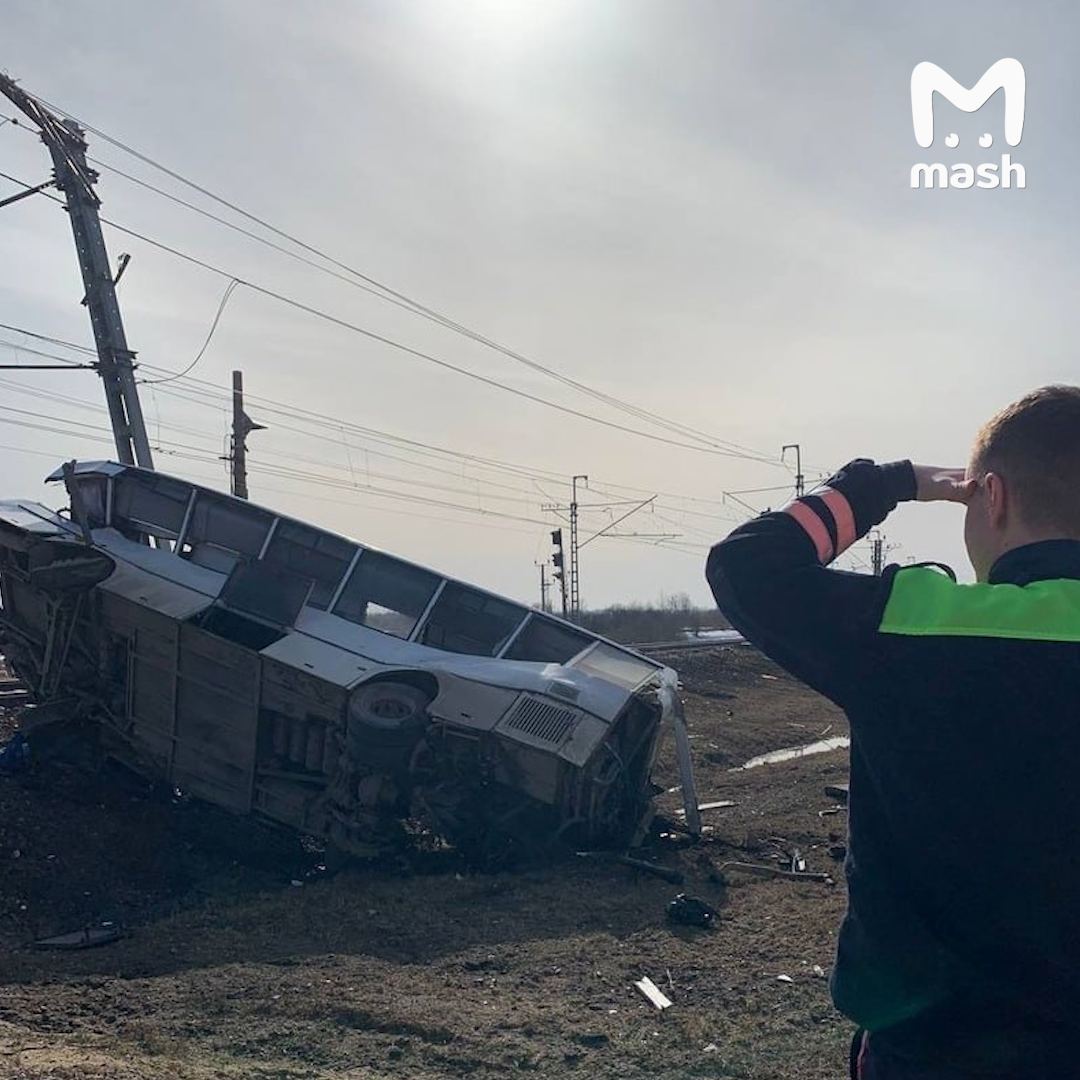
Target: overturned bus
x,y
278,670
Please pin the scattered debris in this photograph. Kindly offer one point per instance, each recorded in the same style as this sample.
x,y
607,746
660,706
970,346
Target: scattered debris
x,y
720,804
839,792
692,911
668,873
665,872
653,994
822,746
710,1048
774,678
798,863
772,872
672,705
831,810
818,971
784,979
87,938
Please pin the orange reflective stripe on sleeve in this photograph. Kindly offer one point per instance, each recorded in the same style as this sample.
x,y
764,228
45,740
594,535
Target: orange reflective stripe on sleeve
x,y
814,527
840,508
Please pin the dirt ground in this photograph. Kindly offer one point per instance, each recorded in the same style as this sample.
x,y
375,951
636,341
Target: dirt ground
x,y
241,958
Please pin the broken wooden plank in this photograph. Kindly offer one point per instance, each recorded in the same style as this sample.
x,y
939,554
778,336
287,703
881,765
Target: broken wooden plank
x,y
653,994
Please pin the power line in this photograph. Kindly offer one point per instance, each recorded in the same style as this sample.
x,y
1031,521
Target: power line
x,y
235,281
420,354
51,340
400,346
385,292
336,428
66,362
213,326
278,471
521,496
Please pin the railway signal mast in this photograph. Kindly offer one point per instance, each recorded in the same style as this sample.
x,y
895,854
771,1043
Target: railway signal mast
x,y
76,180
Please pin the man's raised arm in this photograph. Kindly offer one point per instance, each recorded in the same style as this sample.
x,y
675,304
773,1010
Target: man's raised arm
x,y
770,576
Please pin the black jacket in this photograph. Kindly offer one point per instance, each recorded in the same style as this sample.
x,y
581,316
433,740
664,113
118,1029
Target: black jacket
x,y
962,939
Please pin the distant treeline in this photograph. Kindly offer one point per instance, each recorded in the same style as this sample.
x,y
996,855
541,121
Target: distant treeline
x,y
665,620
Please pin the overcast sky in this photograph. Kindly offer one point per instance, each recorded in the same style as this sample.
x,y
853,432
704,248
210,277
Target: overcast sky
x,y
700,207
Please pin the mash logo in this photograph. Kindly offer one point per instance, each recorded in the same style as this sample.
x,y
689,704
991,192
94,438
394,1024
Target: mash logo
x,y
1006,75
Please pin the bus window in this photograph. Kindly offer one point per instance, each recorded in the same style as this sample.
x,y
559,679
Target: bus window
x,y
311,554
149,505
548,642
386,594
614,665
466,621
222,531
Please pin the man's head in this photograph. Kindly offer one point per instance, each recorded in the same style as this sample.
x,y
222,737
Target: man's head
x,y
1026,460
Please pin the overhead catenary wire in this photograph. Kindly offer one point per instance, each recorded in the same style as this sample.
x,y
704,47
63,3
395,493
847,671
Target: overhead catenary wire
x,y
209,336
184,388
61,361
51,340
407,301
522,497
363,331
183,450
98,433
380,288
711,448
235,282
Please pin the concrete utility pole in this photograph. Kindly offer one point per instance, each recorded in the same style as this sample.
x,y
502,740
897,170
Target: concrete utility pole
x,y
799,478
76,180
575,579
242,426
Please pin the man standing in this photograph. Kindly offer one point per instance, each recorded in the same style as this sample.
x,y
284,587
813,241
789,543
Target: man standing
x,y
960,952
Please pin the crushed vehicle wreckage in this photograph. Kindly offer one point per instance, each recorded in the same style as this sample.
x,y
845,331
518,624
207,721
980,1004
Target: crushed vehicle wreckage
x,y
275,669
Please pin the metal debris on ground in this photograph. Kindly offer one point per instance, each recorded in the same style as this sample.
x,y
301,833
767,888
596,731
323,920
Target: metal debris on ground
x,y
791,753
87,938
772,872
720,804
653,994
692,911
